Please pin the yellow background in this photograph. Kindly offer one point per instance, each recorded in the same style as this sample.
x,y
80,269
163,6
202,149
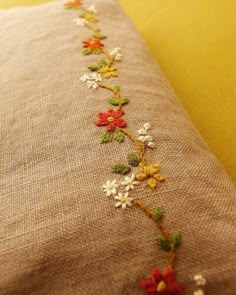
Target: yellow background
x,y
195,44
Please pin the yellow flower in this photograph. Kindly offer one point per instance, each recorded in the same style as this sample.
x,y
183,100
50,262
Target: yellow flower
x,y
150,172
90,17
108,72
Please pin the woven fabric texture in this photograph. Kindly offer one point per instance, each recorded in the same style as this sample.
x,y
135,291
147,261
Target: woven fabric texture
x,y
59,233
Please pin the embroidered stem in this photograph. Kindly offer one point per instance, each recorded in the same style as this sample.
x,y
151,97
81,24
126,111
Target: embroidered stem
x,y
162,228
138,144
116,93
109,57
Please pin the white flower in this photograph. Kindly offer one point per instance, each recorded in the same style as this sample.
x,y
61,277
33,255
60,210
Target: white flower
x,y
148,138
142,131
129,182
147,126
92,9
110,187
200,280
92,84
80,21
84,78
151,145
91,80
123,200
96,77
199,292
116,52
142,138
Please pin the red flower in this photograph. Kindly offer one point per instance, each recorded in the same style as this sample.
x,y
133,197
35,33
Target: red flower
x,y
93,43
111,119
72,4
162,284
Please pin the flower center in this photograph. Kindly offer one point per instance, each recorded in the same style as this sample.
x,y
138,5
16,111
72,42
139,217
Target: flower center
x,y
161,287
110,119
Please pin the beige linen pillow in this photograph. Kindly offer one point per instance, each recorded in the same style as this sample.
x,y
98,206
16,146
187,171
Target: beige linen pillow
x,y
59,233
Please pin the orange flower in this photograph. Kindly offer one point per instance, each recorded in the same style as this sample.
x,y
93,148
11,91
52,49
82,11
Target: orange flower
x,y
73,4
93,43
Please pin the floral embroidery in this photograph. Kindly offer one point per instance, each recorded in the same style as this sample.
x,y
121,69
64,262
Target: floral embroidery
x,y
91,80
150,172
116,130
80,22
93,43
73,4
123,200
200,280
200,283
111,119
108,72
129,182
110,187
162,283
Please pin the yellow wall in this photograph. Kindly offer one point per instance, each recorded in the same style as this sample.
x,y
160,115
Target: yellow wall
x,y
195,44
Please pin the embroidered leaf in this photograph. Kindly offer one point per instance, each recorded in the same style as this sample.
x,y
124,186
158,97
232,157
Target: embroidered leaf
x,y
98,35
101,63
176,238
97,51
117,88
120,168
106,137
118,136
94,67
133,159
163,244
115,101
158,213
86,51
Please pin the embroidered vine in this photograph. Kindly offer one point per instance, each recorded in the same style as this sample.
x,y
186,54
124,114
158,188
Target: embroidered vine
x,y
115,129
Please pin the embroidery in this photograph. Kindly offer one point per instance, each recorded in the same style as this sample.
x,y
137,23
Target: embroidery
x,y
200,283
115,129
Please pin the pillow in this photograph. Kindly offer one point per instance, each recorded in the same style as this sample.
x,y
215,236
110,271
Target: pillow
x,y
60,234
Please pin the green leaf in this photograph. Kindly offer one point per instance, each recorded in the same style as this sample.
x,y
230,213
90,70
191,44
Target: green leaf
x,y
176,239
163,243
102,62
158,213
86,51
115,101
97,51
120,168
117,88
106,137
118,136
133,159
94,67
99,36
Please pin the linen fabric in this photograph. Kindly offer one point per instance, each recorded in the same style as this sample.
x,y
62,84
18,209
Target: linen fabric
x,y
59,233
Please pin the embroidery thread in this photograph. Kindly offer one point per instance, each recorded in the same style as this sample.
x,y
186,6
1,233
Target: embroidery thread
x,y
115,125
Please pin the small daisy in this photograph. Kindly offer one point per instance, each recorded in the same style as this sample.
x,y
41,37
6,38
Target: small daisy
x,y
81,22
92,84
130,182
200,280
123,200
84,78
151,145
116,52
96,77
110,187
147,126
142,131
92,9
